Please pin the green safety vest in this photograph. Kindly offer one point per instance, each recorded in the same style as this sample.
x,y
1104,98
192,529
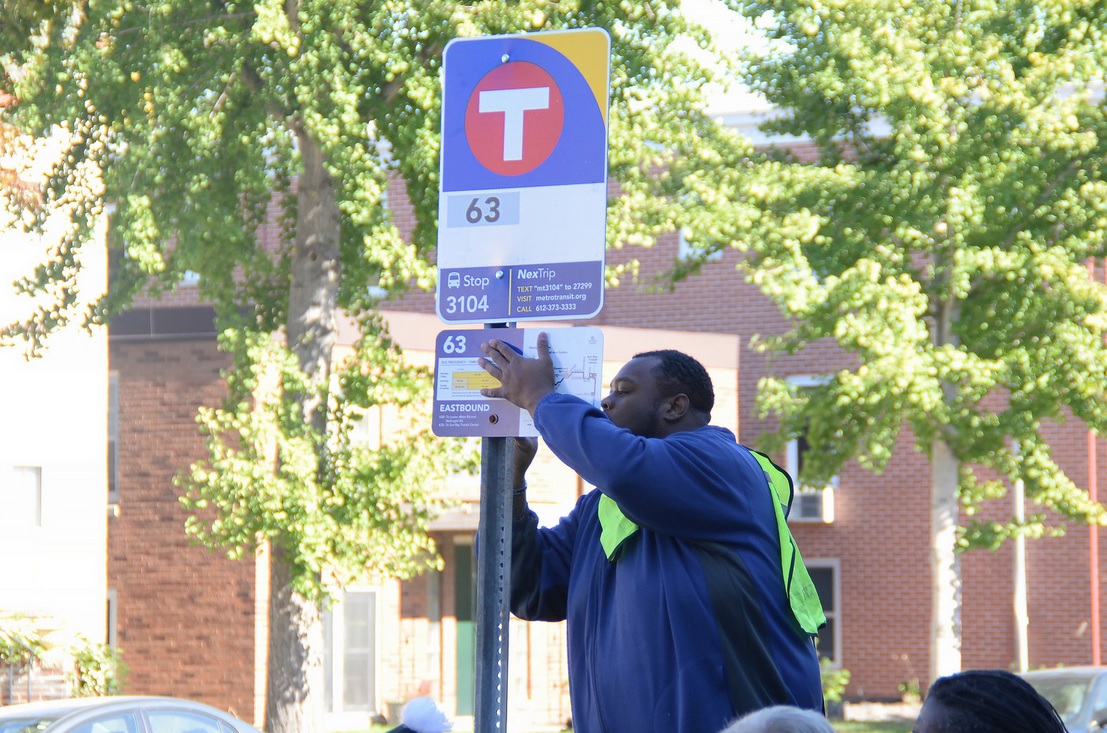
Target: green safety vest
x,y
616,528
804,599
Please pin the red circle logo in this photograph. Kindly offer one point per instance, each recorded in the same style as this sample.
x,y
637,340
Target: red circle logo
x,y
514,118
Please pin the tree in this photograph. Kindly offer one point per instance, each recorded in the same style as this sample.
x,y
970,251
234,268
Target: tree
x,y
942,238
198,115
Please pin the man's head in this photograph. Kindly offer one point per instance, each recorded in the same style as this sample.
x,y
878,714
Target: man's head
x,y
986,701
660,392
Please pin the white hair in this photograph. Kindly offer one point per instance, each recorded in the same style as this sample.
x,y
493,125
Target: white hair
x,y
422,715
781,719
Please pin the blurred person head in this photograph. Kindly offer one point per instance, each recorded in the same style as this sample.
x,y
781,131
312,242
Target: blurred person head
x,y
780,719
986,701
422,715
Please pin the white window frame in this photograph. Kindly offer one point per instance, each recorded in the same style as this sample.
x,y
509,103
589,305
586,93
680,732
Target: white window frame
x,y
376,291
21,478
791,463
367,431
338,717
113,617
684,249
835,566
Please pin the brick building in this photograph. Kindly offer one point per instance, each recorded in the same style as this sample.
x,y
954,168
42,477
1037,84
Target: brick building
x,y
193,623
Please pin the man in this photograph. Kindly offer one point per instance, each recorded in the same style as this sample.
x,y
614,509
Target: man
x,y
671,575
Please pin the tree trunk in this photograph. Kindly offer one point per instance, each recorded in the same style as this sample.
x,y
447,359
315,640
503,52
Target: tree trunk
x,y
295,683
945,564
316,270
294,699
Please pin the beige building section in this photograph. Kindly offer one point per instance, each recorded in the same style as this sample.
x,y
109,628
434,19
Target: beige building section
x,y
53,456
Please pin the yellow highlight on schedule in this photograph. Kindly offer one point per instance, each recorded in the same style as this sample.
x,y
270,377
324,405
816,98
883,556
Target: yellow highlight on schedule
x,y
474,380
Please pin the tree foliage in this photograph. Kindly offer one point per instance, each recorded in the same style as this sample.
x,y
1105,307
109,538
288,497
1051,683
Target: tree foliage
x,y
363,507
942,239
944,234
199,118
183,102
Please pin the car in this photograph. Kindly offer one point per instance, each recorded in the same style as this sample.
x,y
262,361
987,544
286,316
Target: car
x,y
1078,693
119,714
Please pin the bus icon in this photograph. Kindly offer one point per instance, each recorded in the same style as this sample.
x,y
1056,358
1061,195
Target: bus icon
x,y
454,280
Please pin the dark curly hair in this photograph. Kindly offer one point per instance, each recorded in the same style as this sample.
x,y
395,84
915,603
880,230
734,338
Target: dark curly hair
x,y
677,372
995,701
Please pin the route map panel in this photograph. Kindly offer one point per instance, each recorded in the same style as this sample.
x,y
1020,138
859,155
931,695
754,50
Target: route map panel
x,y
461,411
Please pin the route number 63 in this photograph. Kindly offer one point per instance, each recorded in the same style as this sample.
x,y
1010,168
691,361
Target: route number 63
x,y
453,345
474,213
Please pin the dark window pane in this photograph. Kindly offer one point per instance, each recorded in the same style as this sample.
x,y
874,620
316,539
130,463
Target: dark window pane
x,y
823,578
825,642
463,579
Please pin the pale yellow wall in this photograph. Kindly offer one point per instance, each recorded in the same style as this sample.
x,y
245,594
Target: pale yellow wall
x,y
55,416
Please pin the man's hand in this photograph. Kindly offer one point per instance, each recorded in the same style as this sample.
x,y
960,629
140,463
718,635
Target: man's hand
x,y
523,381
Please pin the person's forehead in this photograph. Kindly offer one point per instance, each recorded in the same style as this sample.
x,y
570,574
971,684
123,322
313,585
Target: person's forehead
x,y
639,370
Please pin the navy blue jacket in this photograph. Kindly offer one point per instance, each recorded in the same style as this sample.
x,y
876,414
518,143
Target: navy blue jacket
x,y
689,626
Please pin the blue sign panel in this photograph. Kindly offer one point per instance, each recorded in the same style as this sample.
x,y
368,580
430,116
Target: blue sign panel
x,y
573,152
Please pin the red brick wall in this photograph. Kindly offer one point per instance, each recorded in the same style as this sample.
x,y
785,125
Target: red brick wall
x,y
185,614
879,536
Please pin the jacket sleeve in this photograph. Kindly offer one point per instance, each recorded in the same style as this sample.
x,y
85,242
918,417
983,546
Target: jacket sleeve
x,y
697,484
540,563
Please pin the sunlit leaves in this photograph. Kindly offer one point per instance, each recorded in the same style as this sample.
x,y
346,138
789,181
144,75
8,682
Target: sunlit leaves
x,y
957,199
197,117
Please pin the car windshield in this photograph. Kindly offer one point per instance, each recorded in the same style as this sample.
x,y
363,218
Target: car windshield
x,y
30,724
1067,694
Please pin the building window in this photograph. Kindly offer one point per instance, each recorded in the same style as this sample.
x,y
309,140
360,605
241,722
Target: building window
x,y
798,447
685,250
113,617
811,503
824,574
113,438
367,429
23,503
350,628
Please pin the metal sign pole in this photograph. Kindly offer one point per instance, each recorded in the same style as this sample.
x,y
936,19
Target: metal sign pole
x,y
493,584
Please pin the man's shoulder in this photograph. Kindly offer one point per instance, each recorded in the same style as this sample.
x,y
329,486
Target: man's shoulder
x,y
714,433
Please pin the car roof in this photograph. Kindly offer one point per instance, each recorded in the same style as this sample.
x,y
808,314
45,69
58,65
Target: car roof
x,y
58,708
1085,670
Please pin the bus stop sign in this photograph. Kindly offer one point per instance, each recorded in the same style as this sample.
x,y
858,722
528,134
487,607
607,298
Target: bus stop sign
x,y
523,186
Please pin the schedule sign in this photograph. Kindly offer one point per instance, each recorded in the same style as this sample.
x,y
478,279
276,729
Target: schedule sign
x,y
461,410
523,197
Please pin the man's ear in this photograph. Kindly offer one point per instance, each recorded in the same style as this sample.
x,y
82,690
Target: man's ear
x,y
676,407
